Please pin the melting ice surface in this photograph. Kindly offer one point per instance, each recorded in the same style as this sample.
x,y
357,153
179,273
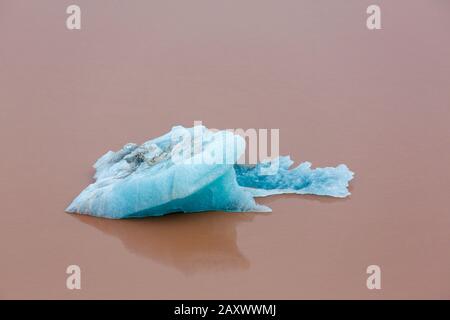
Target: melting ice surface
x,y
196,169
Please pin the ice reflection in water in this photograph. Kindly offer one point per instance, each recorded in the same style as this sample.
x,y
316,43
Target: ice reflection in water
x,y
188,242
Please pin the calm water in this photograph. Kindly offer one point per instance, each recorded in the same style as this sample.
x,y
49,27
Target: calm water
x,y
378,101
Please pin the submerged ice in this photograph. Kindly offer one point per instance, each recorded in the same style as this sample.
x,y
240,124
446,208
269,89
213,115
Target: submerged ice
x,y
196,169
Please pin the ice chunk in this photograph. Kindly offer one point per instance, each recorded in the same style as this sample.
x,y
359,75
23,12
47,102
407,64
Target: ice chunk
x,y
175,173
301,180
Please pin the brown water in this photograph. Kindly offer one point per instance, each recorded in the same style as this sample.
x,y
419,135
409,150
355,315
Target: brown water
x,y
378,101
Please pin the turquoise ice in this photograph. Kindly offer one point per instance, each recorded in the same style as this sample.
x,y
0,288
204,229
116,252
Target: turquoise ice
x,y
193,170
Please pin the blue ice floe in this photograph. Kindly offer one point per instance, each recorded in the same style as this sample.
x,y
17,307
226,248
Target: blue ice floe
x,y
193,170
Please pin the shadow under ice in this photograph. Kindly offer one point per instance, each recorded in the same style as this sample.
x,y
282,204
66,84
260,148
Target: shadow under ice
x,y
189,242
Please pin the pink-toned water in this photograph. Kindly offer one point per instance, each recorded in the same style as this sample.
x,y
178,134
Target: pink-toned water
x,y
378,101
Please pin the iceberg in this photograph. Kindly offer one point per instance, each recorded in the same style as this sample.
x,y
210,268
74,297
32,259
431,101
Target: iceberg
x,y
193,170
